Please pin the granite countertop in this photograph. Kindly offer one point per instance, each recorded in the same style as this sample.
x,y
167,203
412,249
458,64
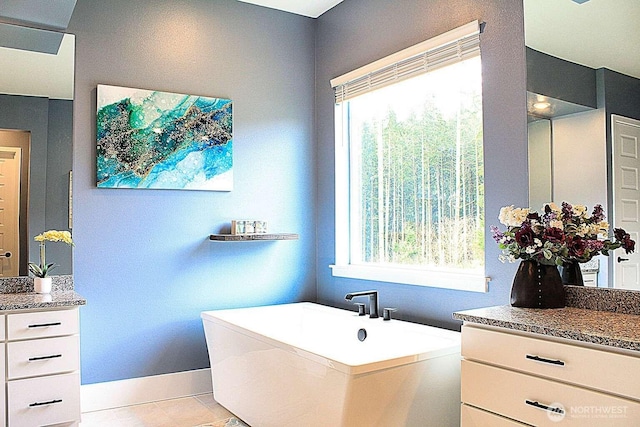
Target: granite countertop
x,y
26,301
16,293
587,325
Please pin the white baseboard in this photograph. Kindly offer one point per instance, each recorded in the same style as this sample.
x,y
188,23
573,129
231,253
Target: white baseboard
x,y
115,394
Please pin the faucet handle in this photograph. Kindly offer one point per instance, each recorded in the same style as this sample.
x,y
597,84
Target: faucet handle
x,y
361,308
386,313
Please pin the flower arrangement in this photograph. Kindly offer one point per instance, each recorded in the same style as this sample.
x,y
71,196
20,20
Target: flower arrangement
x,y
42,269
557,236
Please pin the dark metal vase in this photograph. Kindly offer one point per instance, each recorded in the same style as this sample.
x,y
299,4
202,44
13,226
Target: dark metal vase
x,y
571,274
537,286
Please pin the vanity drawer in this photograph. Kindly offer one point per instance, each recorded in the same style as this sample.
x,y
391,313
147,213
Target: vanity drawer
x,y
524,397
43,357
44,401
602,370
42,324
474,417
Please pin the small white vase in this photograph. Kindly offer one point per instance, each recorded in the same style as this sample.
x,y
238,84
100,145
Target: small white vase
x,y
42,285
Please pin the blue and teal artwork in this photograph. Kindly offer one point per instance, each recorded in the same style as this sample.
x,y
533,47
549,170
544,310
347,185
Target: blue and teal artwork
x,y
151,139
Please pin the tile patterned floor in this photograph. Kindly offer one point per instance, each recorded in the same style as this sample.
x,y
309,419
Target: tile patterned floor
x,y
200,411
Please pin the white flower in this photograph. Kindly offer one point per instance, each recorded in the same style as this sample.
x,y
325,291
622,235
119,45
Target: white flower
x,y
582,230
513,217
506,258
588,230
505,215
603,228
556,223
580,210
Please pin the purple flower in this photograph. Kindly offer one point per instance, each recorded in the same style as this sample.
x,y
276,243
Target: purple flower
x,y
497,234
553,235
625,240
560,234
577,246
598,213
567,210
594,245
525,236
548,217
620,234
629,245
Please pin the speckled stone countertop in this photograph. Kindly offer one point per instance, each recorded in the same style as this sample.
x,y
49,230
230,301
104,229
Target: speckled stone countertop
x,y
26,301
16,293
592,326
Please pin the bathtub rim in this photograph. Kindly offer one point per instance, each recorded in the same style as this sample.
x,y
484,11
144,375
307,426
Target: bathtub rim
x,y
212,316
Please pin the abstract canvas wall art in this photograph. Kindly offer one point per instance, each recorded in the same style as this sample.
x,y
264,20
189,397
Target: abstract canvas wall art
x,y
151,139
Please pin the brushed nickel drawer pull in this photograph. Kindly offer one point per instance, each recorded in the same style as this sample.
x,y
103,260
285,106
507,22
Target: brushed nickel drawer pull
x,y
45,325
542,359
49,402
544,407
53,356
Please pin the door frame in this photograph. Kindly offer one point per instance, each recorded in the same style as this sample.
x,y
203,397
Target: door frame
x,y
24,196
615,209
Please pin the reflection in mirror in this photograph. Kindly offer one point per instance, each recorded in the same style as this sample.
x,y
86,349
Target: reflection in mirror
x,y
36,103
583,72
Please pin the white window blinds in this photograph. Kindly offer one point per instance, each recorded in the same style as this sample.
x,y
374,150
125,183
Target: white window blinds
x,y
448,48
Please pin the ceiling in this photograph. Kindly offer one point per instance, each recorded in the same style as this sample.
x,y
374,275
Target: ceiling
x,y
310,8
34,25
51,15
31,39
49,75
596,33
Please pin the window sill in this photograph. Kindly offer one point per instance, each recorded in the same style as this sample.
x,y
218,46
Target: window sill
x,y
472,282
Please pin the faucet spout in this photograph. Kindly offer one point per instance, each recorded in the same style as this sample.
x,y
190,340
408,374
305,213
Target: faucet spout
x,y
373,301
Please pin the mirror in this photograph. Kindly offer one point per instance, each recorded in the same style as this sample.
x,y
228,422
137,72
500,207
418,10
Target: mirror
x,y
36,113
583,66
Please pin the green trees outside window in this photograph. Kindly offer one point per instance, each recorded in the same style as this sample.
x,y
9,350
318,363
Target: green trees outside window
x,y
416,171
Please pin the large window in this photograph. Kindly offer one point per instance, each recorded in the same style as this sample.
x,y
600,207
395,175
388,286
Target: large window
x,y
409,166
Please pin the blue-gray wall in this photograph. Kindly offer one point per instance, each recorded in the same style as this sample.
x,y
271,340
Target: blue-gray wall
x,y
59,163
357,32
142,258
557,78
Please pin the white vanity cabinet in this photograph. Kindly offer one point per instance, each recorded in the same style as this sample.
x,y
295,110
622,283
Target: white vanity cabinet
x,y
42,367
513,378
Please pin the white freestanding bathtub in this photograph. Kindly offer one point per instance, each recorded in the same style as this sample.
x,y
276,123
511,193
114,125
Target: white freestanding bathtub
x,y
304,365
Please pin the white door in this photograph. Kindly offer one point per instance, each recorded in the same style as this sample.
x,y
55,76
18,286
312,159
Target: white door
x,y
10,159
626,197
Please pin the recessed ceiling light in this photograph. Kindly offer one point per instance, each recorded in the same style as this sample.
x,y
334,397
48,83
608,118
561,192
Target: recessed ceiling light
x,y
542,105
